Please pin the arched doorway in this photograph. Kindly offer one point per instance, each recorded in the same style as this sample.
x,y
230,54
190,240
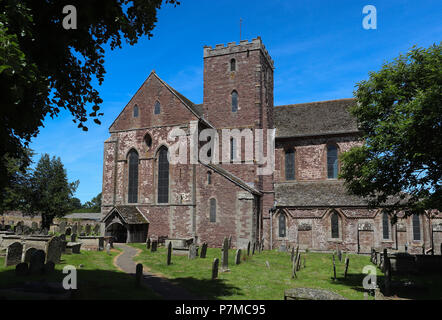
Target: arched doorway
x,y
117,231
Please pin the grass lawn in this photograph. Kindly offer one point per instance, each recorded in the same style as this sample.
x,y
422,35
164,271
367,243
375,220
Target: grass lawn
x,y
252,279
97,279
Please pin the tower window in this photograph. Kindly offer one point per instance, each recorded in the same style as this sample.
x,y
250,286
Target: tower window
x,y
157,108
209,177
416,227
133,177
163,176
148,140
282,225
233,65
332,162
334,225
232,149
385,226
234,101
290,164
212,210
135,111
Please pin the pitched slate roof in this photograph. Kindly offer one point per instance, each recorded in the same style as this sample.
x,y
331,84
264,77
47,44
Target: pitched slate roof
x,y
314,118
84,216
129,214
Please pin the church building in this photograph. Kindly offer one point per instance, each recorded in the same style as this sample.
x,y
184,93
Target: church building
x,y
301,202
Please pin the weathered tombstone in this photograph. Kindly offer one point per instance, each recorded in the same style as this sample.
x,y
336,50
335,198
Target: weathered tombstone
x,y
138,274
73,237
298,267
27,255
108,247
203,250
68,231
148,243
74,228
297,251
192,251
294,264
53,250
230,241
334,268
347,261
339,255
169,253
253,248
87,229
292,254
238,256
49,267
62,227
13,254
387,275
225,256
153,248
248,248
215,268
21,269
36,262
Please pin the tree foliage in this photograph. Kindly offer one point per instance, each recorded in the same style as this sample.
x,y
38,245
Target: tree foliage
x,y
399,111
45,68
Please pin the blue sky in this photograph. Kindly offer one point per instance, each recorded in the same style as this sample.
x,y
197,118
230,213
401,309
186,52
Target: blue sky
x,y
320,51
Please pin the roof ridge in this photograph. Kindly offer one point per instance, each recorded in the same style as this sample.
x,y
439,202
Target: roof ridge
x,y
315,102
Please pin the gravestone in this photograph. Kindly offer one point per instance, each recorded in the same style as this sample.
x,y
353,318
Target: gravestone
x,y
347,261
138,274
334,268
294,264
27,255
49,267
36,262
248,248
292,254
297,251
203,250
225,256
238,256
298,267
339,255
74,228
21,269
34,226
253,248
108,247
169,253
62,227
87,229
73,237
230,242
68,231
97,229
53,250
387,274
192,251
215,265
13,254
154,246
148,243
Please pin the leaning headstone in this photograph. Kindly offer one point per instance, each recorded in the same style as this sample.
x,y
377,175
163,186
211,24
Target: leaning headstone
x,y
27,255
21,269
75,228
53,250
153,248
148,243
14,254
215,268
203,250
347,261
192,251
169,253
138,274
298,267
297,251
294,268
62,227
36,262
88,229
238,256
225,255
248,248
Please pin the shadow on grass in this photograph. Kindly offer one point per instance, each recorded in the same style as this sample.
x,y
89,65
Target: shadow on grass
x,y
207,288
91,285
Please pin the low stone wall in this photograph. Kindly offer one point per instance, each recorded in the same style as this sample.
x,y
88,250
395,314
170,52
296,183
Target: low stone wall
x,y
91,242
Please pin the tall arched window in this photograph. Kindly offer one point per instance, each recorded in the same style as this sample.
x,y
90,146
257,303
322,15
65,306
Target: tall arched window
x,y
282,225
290,164
135,111
212,210
385,225
234,101
232,149
133,177
332,162
416,227
163,176
157,108
334,225
233,65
